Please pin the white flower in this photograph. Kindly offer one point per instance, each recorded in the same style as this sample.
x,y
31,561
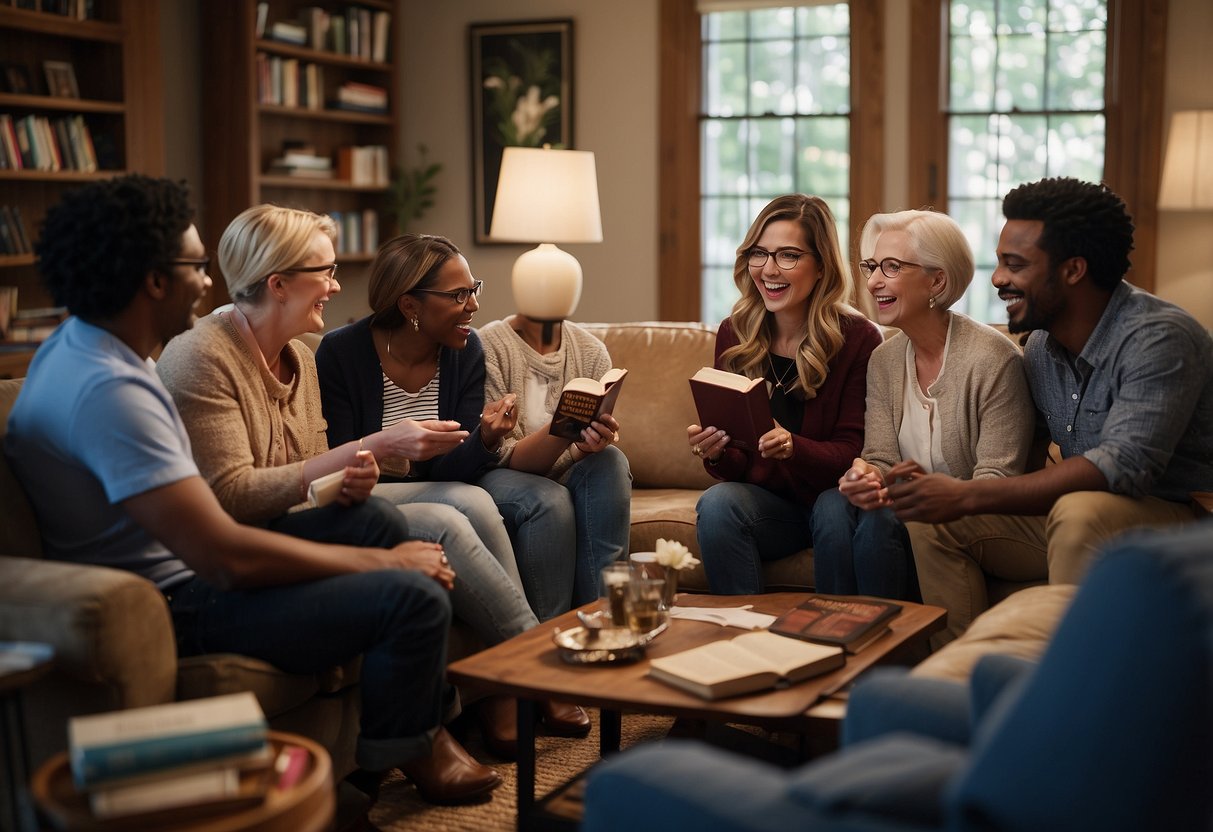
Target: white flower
x,y
673,555
528,114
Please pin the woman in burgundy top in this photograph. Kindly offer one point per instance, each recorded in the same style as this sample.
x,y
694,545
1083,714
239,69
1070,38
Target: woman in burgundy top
x,y
793,326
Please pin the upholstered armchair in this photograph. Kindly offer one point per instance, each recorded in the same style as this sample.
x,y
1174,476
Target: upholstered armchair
x,y
1112,730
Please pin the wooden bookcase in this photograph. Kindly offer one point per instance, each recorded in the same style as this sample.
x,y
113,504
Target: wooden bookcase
x,y
115,57
237,159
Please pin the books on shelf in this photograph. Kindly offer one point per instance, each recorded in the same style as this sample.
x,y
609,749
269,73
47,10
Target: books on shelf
x,y
14,237
36,142
289,83
364,98
355,31
363,165
850,623
739,406
585,400
32,325
305,164
109,747
357,231
745,664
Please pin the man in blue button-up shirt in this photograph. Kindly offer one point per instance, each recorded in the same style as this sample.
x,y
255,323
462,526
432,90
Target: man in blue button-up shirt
x,y
1124,384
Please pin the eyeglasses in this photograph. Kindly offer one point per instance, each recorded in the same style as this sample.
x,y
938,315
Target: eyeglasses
x,y
200,263
784,258
331,268
890,266
459,296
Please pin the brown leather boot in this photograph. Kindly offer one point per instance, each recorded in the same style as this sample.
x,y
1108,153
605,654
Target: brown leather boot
x,y
563,719
449,775
498,717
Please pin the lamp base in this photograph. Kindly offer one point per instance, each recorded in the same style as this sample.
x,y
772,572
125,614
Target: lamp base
x,y
547,284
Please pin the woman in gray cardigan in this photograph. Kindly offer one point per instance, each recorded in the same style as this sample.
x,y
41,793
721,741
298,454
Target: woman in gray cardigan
x,y
945,394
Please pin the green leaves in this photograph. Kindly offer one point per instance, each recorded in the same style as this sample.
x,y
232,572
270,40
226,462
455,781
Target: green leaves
x,y
412,190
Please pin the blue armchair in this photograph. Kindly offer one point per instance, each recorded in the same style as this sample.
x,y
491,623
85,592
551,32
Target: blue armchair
x,y
1112,730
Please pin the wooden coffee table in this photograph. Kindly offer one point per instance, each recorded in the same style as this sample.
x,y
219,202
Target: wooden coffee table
x,y
528,667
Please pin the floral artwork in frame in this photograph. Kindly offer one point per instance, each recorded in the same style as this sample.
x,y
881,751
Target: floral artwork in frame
x,y
522,96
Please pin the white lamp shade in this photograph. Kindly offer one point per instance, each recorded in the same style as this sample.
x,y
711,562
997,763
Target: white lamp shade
x,y
547,196
1187,172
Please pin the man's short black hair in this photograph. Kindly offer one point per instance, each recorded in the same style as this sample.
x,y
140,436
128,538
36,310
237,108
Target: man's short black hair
x,y
1081,219
100,241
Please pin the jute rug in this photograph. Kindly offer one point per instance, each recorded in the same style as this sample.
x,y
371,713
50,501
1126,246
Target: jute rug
x,y
556,760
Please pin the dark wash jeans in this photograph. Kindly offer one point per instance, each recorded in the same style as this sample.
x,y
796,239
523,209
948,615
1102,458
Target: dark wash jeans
x,y
396,619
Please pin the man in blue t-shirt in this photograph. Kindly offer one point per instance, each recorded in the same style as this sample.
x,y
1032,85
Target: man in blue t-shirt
x,y
1122,380
97,443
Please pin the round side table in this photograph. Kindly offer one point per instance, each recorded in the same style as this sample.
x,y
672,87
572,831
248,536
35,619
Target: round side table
x,y
307,806
21,664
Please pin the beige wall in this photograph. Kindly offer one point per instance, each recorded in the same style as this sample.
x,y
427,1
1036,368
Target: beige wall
x,y
616,55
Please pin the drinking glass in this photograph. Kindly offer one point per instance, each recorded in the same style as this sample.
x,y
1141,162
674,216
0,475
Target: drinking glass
x,y
616,578
646,604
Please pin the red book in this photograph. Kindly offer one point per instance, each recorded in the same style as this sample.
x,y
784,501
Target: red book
x,y
739,406
848,622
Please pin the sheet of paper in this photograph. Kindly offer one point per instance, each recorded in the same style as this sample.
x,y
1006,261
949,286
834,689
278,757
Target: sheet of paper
x,y
741,617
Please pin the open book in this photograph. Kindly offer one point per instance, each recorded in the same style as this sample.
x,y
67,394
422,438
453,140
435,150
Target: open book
x,y
739,406
583,401
751,662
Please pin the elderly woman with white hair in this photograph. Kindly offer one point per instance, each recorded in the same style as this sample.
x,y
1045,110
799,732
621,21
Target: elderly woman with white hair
x,y
946,394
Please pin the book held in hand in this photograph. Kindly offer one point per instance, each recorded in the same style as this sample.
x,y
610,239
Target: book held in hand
x,y
739,406
585,400
850,623
745,664
107,747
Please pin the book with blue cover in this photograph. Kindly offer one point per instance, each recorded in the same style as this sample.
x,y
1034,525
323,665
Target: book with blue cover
x,y
112,746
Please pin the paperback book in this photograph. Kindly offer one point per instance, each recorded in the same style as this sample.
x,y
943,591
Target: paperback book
x,y
585,400
731,402
850,623
745,664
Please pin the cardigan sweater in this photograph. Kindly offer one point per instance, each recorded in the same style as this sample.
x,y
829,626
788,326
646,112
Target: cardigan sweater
x,y
242,420
509,361
829,436
351,390
985,410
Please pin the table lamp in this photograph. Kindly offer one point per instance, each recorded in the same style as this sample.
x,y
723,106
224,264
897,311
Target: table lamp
x,y
1187,173
546,196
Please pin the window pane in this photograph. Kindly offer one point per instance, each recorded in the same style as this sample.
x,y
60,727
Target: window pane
x,y
823,20
972,74
824,166
772,23
1076,76
772,78
976,17
718,294
1077,15
1023,149
724,79
1021,73
722,143
972,157
724,226
824,76
773,154
981,220
1023,16
724,26
1076,146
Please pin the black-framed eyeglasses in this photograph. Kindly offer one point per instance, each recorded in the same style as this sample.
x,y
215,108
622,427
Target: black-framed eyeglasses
x,y
200,263
459,296
890,266
785,258
330,268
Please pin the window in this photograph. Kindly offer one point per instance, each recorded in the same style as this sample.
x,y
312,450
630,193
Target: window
x,y
1025,101
774,119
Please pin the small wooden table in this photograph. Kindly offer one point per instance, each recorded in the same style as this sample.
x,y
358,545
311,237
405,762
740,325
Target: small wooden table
x,y
307,806
21,664
529,668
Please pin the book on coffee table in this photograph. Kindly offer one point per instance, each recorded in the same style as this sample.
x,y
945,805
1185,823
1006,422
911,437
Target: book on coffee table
x,y
751,662
739,406
850,623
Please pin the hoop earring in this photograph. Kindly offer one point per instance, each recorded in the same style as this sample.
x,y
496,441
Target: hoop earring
x,y
416,325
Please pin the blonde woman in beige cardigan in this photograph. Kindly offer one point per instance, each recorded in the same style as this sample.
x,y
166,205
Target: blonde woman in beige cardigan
x,y
945,394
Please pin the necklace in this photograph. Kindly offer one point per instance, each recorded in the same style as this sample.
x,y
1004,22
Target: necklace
x,y
780,379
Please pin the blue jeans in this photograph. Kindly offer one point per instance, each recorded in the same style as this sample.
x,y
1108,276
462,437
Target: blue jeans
x,y
857,552
396,619
589,514
488,592
740,525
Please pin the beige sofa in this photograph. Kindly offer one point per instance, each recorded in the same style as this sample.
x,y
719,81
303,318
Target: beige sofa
x,y
654,411
114,644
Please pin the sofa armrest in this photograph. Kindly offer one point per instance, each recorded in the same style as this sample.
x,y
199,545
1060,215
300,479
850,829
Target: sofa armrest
x,y
108,627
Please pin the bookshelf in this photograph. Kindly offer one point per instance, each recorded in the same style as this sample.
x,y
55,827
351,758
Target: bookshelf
x,y
251,94
115,57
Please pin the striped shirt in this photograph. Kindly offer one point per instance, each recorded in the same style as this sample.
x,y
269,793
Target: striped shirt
x,y
399,404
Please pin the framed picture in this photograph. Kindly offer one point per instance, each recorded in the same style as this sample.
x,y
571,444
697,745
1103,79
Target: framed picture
x,y
60,79
16,79
522,96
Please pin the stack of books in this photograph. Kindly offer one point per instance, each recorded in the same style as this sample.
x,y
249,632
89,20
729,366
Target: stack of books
x,y
28,325
362,98
185,759
303,163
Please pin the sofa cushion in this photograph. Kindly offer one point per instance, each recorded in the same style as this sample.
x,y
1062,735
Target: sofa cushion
x,y
659,358
220,673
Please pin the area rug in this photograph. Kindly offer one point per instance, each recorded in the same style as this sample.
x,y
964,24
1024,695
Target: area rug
x,y
556,760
